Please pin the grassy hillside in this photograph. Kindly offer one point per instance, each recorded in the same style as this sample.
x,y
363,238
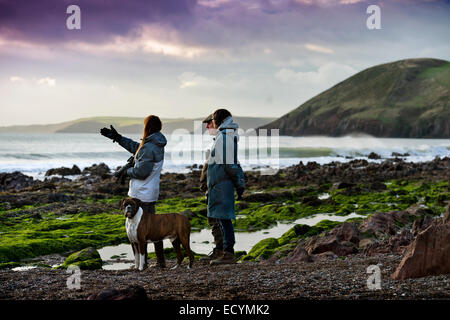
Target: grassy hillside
x,y
408,98
124,125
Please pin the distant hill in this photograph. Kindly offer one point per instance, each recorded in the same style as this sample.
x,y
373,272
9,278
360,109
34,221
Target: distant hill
x,y
408,99
124,125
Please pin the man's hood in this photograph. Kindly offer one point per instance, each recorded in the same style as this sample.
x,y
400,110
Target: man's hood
x,y
228,123
157,138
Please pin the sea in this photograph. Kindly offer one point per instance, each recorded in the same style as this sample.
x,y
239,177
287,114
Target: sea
x,y
34,154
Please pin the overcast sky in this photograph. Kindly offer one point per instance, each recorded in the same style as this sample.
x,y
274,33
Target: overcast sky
x,y
184,58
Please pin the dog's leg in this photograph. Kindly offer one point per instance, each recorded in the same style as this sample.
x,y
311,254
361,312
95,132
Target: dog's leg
x,y
142,253
185,242
176,246
136,254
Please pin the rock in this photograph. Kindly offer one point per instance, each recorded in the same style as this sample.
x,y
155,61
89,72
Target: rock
x,y
59,197
347,232
312,201
446,218
396,154
377,186
298,255
264,249
6,205
101,170
274,259
429,254
86,259
359,163
342,185
421,224
381,224
130,293
318,244
364,243
327,255
63,171
373,155
398,242
342,240
15,181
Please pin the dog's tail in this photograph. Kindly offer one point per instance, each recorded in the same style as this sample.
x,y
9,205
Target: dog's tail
x,y
189,214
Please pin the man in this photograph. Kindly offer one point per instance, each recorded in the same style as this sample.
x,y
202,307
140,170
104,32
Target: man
x,y
224,177
215,227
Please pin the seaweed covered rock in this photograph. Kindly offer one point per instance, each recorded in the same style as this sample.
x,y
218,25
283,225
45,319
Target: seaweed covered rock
x,y
262,250
87,259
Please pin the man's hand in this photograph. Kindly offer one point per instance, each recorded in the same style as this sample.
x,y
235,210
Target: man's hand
x,y
240,192
110,133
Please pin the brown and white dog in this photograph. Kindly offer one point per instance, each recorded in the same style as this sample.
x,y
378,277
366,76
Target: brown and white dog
x,y
143,227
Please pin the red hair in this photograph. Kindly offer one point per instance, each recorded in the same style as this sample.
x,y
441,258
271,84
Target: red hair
x,y
152,124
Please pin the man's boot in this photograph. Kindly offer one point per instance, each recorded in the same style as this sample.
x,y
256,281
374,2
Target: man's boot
x,y
226,258
215,254
218,240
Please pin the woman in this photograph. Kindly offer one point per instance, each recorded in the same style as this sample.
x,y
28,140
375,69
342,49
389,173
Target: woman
x,y
148,162
223,177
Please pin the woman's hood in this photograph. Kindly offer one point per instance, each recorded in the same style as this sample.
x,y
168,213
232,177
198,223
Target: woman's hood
x,y
157,138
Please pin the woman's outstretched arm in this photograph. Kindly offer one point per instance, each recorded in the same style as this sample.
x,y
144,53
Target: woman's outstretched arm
x,y
125,142
128,144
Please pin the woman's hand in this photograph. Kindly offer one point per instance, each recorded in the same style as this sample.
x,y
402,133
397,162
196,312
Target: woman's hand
x,y
111,133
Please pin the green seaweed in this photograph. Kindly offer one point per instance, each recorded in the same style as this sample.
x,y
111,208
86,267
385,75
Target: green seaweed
x,y
86,259
29,231
266,248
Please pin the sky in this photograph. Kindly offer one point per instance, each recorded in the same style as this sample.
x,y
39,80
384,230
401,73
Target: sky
x,y
186,58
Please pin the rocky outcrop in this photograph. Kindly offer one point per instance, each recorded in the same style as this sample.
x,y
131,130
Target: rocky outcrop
x,y
429,254
341,240
317,245
298,255
381,224
63,171
446,218
347,175
130,293
15,181
100,169
421,224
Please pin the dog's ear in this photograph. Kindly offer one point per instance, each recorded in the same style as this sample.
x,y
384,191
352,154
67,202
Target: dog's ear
x,y
120,203
138,202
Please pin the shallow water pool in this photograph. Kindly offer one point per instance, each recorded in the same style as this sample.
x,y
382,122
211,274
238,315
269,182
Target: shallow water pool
x,y
121,256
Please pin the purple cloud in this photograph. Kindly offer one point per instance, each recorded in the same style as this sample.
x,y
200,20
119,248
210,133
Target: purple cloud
x,y
45,20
